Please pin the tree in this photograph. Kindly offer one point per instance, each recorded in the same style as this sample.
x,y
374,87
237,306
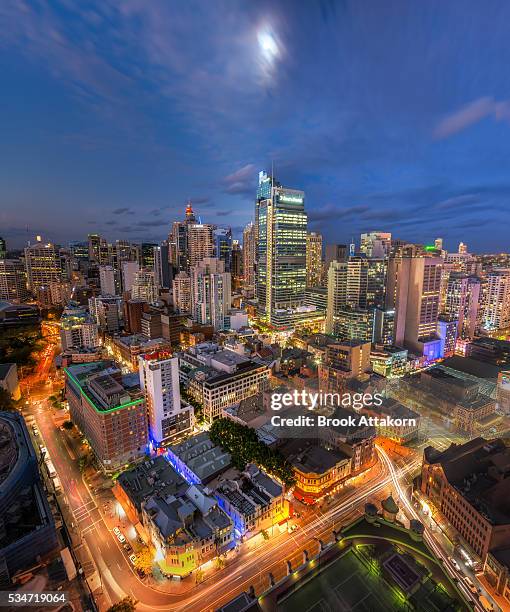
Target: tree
x,y
128,604
245,447
68,425
145,561
220,563
199,576
6,401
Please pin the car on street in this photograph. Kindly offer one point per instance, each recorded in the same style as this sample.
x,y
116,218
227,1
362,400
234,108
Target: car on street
x,y
132,558
455,563
470,585
119,535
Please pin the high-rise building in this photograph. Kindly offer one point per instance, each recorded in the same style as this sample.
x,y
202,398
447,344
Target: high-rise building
x,y
313,259
107,312
438,244
463,248
147,255
210,292
497,306
462,302
237,265
413,289
169,417
77,328
129,270
144,287
447,332
109,409
249,250
44,264
107,280
181,289
281,249
98,249
223,246
3,248
162,268
13,281
200,242
376,244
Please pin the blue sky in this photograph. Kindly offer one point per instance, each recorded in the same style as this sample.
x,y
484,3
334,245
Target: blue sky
x,y
390,115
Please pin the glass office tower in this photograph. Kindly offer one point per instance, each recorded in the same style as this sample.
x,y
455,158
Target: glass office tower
x,y
281,249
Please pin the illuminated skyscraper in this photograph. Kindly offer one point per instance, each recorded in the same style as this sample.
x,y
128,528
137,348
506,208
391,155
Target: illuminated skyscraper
x,y
13,281
162,269
249,257
210,293
223,246
497,307
413,289
462,303
181,289
200,242
159,380
313,259
281,249
45,264
3,249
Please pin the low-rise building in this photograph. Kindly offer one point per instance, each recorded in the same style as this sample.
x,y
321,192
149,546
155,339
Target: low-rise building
x,y
218,378
390,362
109,408
127,349
198,459
469,485
254,501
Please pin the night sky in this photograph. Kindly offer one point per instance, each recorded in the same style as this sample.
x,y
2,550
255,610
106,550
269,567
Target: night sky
x,y
390,115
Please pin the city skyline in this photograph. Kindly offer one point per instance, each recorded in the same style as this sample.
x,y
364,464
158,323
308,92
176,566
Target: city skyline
x,y
135,109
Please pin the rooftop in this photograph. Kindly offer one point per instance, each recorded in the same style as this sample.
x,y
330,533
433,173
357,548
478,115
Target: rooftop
x,y
154,476
480,471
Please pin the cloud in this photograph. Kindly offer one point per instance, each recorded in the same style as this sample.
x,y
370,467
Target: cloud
x,y
121,211
242,181
470,114
111,222
331,213
223,213
458,201
153,223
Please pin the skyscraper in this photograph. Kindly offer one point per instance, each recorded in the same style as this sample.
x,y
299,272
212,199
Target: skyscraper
x,y
249,257
181,289
98,249
200,242
144,287
497,308
237,265
3,248
413,289
129,269
223,246
107,280
44,265
159,379
281,249
162,269
313,259
147,255
13,281
210,292
462,302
